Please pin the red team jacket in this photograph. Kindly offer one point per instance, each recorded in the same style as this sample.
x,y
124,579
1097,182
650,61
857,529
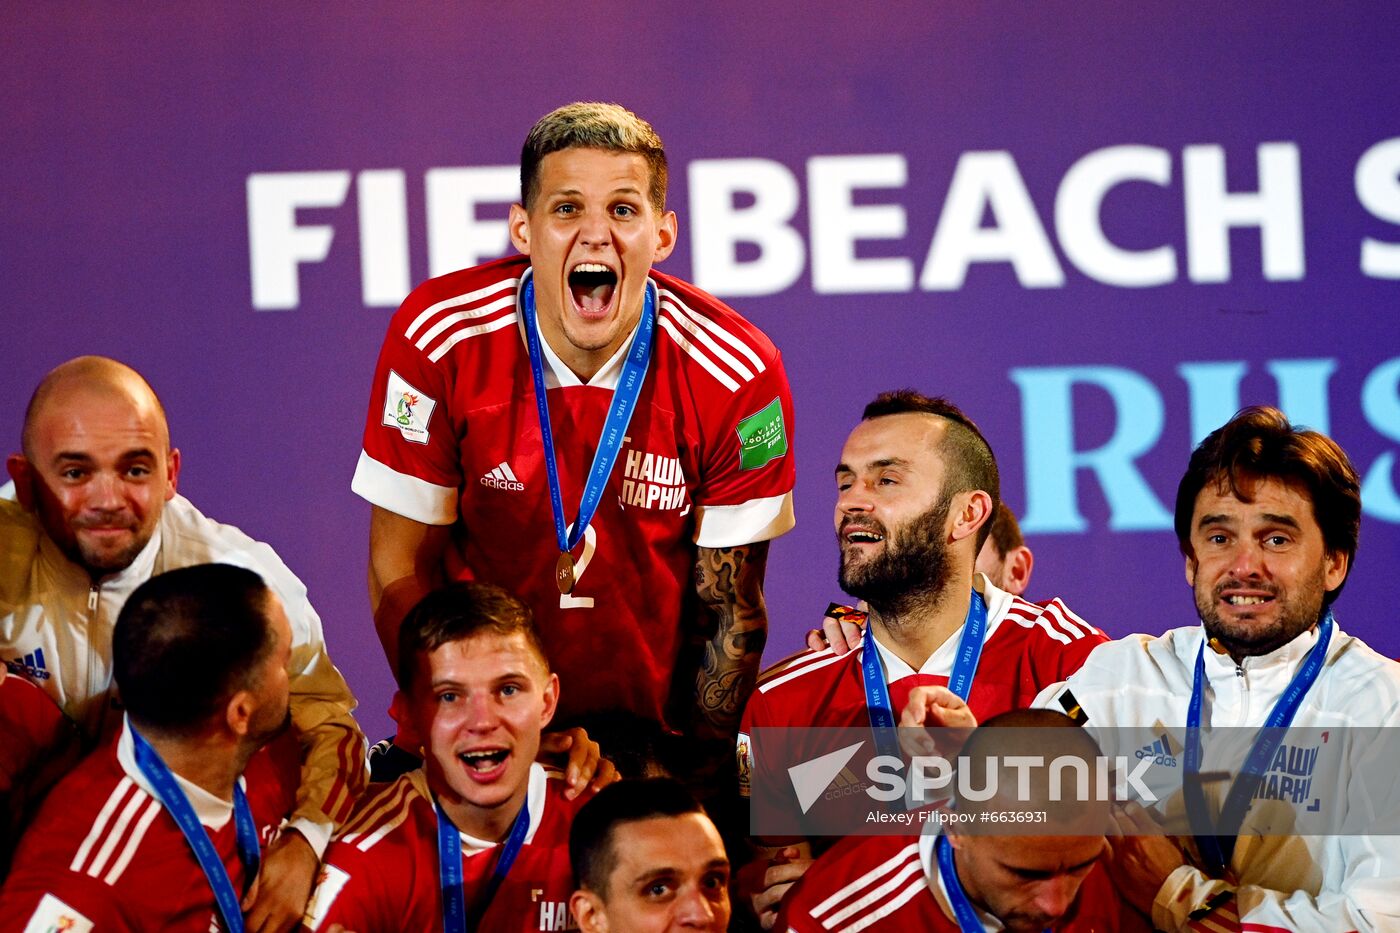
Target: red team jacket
x,y
453,437
891,883
381,873
104,854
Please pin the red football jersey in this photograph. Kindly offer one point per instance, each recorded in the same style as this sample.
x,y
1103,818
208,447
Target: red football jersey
x,y
1028,647
104,854
381,872
453,436
892,883
34,728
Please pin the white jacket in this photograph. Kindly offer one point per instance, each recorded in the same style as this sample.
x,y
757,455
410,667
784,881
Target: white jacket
x,y
1305,883
56,628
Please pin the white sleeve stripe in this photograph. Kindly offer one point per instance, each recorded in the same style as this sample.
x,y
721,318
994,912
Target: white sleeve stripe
x,y
458,301
793,675
457,336
99,862
696,355
402,494
889,907
674,313
133,843
714,328
448,320
99,825
899,860
745,523
1035,618
1070,619
789,664
875,895
1062,617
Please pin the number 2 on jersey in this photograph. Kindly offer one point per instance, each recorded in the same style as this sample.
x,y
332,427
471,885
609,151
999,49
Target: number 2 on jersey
x,y
590,544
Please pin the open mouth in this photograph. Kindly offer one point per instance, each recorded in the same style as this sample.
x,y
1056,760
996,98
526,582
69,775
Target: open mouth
x,y
484,761
592,285
1237,600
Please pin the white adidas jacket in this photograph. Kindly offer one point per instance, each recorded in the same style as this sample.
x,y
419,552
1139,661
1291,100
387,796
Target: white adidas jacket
x,y
56,628
1304,883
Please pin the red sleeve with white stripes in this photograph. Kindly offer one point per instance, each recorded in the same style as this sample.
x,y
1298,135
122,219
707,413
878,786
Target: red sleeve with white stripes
x,y
410,462
1056,662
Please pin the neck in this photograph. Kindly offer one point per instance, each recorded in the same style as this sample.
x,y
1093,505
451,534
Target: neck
x,y
916,625
492,824
969,887
211,762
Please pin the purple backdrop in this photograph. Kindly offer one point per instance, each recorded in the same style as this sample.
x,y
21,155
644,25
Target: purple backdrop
x,y
1021,207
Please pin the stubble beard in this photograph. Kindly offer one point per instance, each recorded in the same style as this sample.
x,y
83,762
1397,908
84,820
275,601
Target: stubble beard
x,y
1295,613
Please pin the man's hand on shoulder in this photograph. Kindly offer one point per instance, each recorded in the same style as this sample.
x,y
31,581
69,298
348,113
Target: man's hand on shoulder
x,y
586,767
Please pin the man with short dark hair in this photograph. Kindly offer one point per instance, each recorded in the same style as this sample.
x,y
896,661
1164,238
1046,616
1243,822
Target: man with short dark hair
x,y
480,832
97,514
648,860
972,876
626,433
1267,517
163,829
917,484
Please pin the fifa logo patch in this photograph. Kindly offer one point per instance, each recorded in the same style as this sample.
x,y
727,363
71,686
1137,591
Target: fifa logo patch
x,y
762,437
407,409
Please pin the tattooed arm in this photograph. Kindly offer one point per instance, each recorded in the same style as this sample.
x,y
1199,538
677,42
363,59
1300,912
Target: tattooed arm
x,y
730,582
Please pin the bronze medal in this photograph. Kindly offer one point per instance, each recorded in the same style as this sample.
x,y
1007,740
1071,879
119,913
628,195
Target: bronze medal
x,y
564,573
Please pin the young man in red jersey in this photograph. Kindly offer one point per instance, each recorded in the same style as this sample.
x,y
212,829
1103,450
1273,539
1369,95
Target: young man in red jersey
x,y
488,374
974,877
917,485
480,833
165,828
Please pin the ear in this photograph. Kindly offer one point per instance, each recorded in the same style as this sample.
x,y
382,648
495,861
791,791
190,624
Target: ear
x,y
551,700
1191,570
172,469
238,714
975,511
1016,572
666,233
519,225
22,472
587,909
1335,567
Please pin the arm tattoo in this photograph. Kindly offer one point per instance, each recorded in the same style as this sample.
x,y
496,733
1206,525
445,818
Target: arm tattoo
x,y
730,582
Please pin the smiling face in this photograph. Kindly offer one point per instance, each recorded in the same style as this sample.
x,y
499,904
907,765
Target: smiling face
x,y
482,702
891,521
1029,883
98,470
671,874
592,235
1260,568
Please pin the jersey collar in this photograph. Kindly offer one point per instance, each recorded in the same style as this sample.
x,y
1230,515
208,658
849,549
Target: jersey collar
x,y
535,799
557,374
208,809
929,861
940,663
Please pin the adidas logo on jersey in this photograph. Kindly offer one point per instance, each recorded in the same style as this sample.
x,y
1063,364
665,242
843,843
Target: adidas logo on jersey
x,y
31,665
1159,751
502,477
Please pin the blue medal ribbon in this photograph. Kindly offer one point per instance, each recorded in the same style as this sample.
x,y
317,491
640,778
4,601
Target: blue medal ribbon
x,y
1216,840
629,387
173,799
454,899
877,691
963,911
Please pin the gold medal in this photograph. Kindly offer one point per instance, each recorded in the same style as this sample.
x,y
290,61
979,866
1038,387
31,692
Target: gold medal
x,y
564,573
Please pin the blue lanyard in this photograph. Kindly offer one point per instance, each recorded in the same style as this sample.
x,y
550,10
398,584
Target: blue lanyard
x,y
967,918
454,901
148,760
877,691
1216,843
629,387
